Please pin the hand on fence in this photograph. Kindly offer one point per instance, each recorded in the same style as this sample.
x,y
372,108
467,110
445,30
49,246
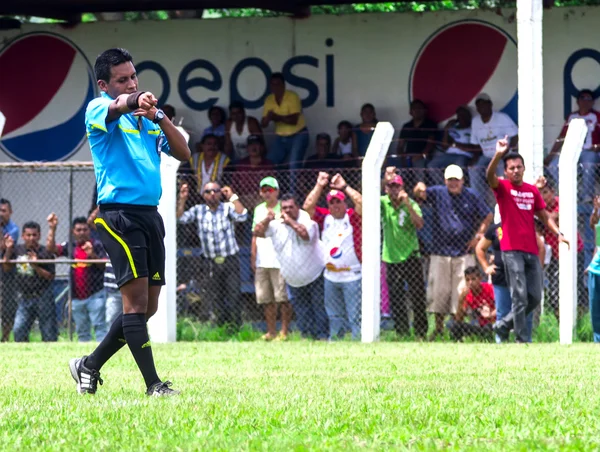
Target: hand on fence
x,y
491,270
9,243
52,221
390,172
597,203
541,182
184,192
227,192
338,182
419,190
88,248
323,179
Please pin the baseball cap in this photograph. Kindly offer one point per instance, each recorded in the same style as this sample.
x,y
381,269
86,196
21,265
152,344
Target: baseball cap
x,y
254,139
396,180
453,172
335,194
483,96
270,181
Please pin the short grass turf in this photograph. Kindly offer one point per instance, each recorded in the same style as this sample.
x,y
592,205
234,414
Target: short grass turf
x,y
308,396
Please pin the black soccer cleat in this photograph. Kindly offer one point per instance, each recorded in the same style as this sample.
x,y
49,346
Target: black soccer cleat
x,y
502,331
162,389
87,379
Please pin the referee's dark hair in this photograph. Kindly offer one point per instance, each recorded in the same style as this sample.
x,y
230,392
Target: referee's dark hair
x,y
109,58
32,225
278,75
79,220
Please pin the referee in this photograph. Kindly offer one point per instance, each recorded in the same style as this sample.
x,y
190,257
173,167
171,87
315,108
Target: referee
x,y
127,134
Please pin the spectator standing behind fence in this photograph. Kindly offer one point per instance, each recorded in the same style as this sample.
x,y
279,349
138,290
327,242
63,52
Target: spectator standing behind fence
x,y
486,129
269,283
494,267
296,241
594,274
33,284
8,299
216,228
114,299
284,109
250,171
518,203
477,300
342,239
87,280
552,272
345,146
238,129
460,218
401,217
216,116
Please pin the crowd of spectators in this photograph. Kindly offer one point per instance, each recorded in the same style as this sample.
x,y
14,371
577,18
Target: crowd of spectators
x,y
242,190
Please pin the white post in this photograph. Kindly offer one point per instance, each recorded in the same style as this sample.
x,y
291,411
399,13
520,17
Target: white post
x,y
371,232
531,86
567,263
163,326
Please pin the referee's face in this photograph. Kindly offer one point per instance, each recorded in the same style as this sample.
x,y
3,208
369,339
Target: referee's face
x,y
123,80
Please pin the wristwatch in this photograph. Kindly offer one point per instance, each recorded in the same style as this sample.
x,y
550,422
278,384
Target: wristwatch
x,y
159,116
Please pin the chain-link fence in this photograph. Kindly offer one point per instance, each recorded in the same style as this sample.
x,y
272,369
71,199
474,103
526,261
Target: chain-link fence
x,y
287,276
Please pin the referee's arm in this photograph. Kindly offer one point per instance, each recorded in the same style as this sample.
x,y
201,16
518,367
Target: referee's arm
x,y
177,142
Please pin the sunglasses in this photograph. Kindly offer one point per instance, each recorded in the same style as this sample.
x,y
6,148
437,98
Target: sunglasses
x,y
210,191
267,189
394,185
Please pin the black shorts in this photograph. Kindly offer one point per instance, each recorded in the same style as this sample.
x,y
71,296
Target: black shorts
x,y
133,236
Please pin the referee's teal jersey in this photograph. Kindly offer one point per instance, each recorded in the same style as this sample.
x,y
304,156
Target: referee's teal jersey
x,y
126,154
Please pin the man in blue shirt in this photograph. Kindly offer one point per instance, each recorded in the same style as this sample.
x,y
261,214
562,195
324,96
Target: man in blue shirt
x,y
460,218
8,301
127,134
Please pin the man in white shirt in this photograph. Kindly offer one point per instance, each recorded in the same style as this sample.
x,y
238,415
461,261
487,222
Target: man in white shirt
x,y
296,242
486,129
341,234
269,284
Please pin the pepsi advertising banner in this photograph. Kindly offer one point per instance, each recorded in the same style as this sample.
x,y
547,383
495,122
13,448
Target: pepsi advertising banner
x,y
335,64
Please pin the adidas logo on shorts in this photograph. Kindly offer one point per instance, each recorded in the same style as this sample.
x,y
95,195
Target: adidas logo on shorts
x,y
156,277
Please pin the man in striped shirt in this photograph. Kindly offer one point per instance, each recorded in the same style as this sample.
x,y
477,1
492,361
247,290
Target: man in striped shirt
x,y
216,228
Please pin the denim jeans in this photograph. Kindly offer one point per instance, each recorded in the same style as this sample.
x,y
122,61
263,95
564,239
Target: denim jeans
x,y
42,308
308,304
594,295
87,312
504,306
289,148
524,273
478,180
114,305
343,306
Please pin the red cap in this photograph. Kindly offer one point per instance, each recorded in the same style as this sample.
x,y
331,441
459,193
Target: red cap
x,y
336,194
396,180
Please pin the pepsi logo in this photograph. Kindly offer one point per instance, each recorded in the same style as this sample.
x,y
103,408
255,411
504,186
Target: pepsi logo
x,y
461,60
46,83
335,252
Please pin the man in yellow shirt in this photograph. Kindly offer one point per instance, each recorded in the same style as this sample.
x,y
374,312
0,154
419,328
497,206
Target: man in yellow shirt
x,y
284,108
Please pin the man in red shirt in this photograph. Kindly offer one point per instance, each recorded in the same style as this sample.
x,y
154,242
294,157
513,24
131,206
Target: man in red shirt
x,y
477,298
519,204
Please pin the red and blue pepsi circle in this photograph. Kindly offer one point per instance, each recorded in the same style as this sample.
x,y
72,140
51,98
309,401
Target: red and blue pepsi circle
x,y
335,252
46,83
461,60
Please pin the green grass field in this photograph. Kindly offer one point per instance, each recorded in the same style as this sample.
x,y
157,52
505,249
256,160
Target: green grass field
x,y
308,396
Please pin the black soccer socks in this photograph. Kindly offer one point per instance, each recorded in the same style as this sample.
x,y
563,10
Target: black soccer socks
x,y
112,343
136,335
